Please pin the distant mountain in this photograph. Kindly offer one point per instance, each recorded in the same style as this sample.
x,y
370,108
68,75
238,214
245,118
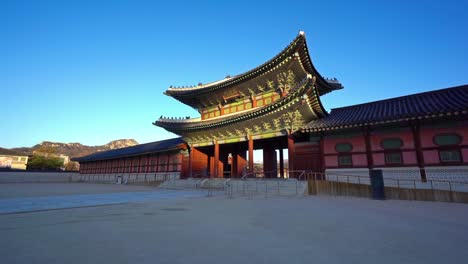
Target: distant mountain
x,y
9,152
76,149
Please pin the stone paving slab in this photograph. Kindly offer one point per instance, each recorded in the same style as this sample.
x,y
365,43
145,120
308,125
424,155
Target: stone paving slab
x,y
22,190
312,229
30,204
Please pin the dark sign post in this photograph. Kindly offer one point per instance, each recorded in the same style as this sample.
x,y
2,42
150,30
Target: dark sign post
x,y
377,185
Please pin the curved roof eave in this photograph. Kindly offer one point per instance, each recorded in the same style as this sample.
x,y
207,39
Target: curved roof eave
x,y
293,47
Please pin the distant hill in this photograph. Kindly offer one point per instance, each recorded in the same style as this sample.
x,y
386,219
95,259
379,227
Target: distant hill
x,y
9,152
77,149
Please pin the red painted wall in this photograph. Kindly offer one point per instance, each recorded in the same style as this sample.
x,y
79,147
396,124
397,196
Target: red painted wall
x,y
379,159
331,161
358,142
430,150
307,157
359,160
358,153
431,156
358,156
199,163
409,158
377,137
137,164
465,154
427,135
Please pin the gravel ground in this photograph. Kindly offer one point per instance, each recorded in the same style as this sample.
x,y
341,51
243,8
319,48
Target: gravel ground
x,y
240,230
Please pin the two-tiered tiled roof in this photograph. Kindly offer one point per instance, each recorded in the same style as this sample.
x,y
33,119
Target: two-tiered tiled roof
x,y
283,104
428,105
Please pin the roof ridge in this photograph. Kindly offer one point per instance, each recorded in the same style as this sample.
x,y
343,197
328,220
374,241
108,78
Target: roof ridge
x,y
119,150
463,86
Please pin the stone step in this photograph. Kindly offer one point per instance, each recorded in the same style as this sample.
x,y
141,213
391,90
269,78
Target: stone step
x,y
181,184
275,187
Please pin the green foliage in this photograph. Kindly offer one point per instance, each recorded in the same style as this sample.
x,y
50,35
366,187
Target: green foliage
x,y
38,162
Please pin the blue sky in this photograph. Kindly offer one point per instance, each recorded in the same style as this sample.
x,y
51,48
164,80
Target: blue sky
x,y
95,71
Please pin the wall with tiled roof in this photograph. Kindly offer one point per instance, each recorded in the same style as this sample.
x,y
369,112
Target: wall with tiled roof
x,y
428,105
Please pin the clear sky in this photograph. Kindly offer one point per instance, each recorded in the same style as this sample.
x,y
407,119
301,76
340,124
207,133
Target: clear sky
x,y
95,71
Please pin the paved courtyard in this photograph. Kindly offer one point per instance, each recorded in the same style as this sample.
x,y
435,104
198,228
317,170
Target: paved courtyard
x,y
81,195
186,227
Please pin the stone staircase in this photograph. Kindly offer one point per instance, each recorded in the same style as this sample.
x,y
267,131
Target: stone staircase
x,y
271,187
238,187
181,184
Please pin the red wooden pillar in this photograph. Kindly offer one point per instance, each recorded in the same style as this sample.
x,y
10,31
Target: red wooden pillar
x,y
419,154
269,162
157,164
234,161
167,162
266,162
241,162
216,159
322,153
190,162
291,154
251,156
254,101
211,166
221,109
147,163
139,164
221,164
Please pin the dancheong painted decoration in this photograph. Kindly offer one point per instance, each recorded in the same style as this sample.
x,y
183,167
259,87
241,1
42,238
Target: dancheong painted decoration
x,y
276,108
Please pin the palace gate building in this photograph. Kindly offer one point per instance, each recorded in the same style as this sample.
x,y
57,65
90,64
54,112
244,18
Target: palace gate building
x,y
276,107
